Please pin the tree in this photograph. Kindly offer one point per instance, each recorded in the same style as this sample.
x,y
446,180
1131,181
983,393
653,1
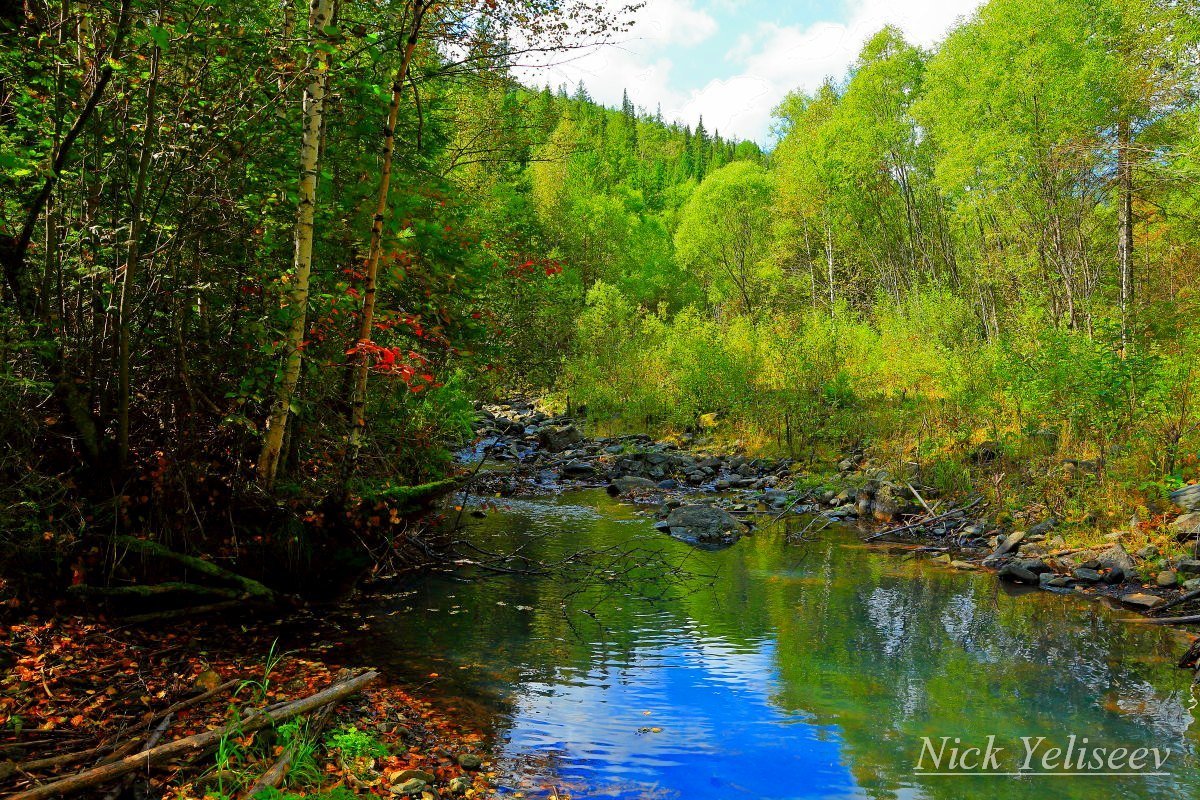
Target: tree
x,y
724,232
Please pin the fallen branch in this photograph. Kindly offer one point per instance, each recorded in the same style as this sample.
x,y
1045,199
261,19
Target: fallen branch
x,y
925,521
1178,601
190,745
154,590
251,586
1165,620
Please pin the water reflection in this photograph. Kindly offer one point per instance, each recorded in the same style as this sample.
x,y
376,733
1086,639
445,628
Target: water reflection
x,y
795,672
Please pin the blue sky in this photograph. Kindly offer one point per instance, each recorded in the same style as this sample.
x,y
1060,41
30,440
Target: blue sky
x,y
733,60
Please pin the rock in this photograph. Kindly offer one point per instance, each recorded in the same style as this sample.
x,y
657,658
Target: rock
x,y
704,525
418,774
1166,578
1114,576
1049,580
1148,552
1087,575
559,438
1115,558
469,761
1034,565
1015,573
1186,526
1187,498
1043,527
1142,601
1010,543
409,787
459,785
962,564
630,485
986,452
1191,584
577,469
1190,566
942,558
670,484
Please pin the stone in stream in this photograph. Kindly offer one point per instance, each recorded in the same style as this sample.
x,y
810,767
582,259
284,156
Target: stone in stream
x,y
1010,543
962,565
409,787
469,761
629,485
1015,573
703,525
1087,575
577,469
1187,498
419,774
1115,558
558,438
459,785
1142,601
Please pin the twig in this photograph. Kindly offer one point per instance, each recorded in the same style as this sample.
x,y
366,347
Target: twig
x,y
924,521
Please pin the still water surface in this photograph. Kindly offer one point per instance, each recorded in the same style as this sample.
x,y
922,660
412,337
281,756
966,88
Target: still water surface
x,y
775,670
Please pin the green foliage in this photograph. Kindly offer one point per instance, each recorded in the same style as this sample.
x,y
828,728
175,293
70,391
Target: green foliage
x,y
353,743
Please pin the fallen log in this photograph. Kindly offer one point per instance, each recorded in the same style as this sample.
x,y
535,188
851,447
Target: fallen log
x,y
190,745
1178,601
251,586
154,590
180,613
1165,620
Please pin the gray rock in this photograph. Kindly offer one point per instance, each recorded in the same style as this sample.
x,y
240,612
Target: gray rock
x,y
1142,601
1051,581
469,761
556,439
1034,565
1087,575
1190,566
578,469
1116,557
1043,527
1167,578
1191,584
409,787
704,525
1187,498
1115,576
1010,543
630,484
1186,526
1148,552
1015,573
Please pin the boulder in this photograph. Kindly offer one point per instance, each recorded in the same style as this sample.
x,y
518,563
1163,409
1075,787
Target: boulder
x,y
1086,575
577,469
1186,526
1142,601
1167,578
1187,498
703,525
631,485
559,438
1043,527
1116,558
459,785
409,787
1010,543
1015,573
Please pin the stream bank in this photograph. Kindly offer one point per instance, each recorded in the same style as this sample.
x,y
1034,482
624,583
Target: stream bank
x,y
697,494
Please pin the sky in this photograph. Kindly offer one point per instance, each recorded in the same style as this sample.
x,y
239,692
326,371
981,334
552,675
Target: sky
x,y
732,61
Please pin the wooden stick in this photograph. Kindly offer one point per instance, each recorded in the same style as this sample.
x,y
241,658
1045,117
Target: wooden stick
x,y
921,522
1165,620
190,745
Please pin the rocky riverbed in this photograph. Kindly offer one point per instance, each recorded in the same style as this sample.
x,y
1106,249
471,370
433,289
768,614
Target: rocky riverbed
x,y
710,499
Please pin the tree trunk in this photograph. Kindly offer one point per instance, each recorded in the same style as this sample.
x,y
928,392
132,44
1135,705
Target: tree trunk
x,y
358,397
1125,224
133,251
320,16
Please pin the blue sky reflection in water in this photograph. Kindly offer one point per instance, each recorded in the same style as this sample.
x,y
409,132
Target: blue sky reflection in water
x,y
797,672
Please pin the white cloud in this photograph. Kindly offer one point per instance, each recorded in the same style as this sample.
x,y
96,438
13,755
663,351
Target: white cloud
x,y
765,63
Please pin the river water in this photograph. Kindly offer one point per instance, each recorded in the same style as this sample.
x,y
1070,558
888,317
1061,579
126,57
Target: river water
x,y
776,670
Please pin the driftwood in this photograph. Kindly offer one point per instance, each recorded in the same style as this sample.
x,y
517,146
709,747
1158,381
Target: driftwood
x,y
1178,601
191,745
924,521
1165,620
249,585
273,777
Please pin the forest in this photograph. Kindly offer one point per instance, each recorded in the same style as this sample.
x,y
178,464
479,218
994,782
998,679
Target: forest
x,y
264,262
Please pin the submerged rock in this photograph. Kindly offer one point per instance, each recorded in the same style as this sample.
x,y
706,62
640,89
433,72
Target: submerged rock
x,y
1015,573
703,525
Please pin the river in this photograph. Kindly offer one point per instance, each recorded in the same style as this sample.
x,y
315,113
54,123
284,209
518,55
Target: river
x,y
773,669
